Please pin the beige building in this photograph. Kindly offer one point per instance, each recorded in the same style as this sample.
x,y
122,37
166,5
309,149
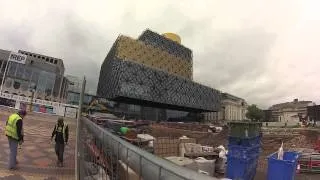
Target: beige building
x,y
290,111
232,108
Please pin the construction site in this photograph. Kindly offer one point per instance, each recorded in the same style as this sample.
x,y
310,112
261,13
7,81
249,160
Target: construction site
x,y
157,107
147,124
198,147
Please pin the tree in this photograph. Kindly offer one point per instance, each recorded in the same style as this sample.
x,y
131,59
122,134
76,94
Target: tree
x,y
254,113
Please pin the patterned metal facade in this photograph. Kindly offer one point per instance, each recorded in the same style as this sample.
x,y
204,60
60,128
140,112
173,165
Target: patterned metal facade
x,y
156,72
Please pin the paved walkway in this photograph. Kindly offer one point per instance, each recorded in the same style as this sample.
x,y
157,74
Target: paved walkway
x,y
37,159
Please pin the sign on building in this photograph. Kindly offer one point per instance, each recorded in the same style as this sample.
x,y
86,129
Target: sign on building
x,y
17,57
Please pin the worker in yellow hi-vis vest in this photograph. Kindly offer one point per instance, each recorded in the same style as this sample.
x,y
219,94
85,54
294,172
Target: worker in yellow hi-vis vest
x,y
61,133
14,126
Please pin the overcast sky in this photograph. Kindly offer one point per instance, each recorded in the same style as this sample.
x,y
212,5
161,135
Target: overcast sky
x,y
265,51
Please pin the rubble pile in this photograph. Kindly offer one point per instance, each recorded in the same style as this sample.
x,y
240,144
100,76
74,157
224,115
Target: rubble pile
x,y
301,141
162,131
270,143
215,139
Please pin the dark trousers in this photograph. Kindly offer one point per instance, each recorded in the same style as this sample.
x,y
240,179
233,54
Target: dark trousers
x,y
13,146
59,151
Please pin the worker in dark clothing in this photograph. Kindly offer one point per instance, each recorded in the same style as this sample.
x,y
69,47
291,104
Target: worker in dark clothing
x,y
13,130
61,133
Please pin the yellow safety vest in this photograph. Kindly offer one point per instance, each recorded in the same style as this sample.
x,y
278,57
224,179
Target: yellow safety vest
x,y
11,127
62,130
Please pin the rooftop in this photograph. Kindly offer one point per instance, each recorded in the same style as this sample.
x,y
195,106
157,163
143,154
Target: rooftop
x,y
230,96
293,104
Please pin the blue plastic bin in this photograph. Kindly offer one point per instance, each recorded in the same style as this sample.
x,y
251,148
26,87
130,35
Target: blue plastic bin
x,y
241,169
243,152
282,169
248,142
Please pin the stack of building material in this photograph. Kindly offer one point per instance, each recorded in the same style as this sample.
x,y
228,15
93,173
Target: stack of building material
x,y
182,144
206,166
207,149
166,146
243,150
193,148
184,162
199,164
131,134
146,138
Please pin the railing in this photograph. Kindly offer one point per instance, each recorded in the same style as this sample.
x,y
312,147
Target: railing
x,y
103,155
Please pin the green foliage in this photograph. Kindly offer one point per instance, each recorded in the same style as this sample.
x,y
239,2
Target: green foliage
x,y
254,113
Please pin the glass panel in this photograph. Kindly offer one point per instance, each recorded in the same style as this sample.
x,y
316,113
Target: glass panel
x,y
27,73
20,70
73,98
87,99
1,61
12,69
8,82
57,84
3,66
42,82
35,75
50,83
24,85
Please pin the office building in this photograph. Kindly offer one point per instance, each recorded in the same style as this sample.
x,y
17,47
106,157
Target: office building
x,y
43,73
290,111
152,76
232,109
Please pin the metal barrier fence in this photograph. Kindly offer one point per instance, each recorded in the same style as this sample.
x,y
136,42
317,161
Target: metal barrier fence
x,y
103,155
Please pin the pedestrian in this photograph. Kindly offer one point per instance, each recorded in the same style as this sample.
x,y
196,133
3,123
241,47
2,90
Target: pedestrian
x,y
61,133
14,126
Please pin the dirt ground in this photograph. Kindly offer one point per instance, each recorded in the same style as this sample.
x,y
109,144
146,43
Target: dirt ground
x,y
271,141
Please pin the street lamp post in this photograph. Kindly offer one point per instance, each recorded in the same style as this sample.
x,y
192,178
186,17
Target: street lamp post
x,y
31,101
32,89
78,152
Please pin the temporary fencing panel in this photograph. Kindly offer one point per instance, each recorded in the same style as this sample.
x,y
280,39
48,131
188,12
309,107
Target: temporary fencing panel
x,y
99,149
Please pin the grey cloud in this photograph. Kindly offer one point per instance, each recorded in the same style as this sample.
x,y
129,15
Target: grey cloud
x,y
236,56
85,49
15,37
228,55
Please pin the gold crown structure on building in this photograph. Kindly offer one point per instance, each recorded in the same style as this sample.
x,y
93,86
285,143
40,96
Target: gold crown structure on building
x,y
163,52
172,36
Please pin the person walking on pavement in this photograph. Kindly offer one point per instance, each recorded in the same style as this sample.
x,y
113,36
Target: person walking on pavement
x,y
61,133
13,130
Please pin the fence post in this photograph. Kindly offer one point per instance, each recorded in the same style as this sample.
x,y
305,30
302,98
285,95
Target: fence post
x,y
77,153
